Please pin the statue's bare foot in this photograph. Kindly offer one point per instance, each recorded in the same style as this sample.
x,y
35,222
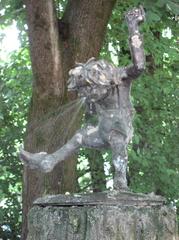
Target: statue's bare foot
x,y
39,161
120,183
121,188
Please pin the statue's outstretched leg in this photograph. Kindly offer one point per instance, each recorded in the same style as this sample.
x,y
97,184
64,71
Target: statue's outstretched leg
x,y
119,157
86,137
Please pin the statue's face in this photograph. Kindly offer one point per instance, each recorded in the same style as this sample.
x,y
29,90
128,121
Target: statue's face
x,y
73,75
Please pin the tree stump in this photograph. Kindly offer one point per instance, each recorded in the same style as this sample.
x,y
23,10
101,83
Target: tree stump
x,y
102,216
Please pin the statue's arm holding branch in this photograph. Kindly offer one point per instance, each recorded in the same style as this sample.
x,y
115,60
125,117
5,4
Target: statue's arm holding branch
x,y
134,18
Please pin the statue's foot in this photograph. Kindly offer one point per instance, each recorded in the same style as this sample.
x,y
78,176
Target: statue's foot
x,y
120,188
39,161
120,184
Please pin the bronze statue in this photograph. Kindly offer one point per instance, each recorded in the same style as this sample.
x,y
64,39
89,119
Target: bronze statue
x,y
106,90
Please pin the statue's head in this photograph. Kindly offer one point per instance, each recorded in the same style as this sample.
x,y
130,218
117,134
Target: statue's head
x,y
92,79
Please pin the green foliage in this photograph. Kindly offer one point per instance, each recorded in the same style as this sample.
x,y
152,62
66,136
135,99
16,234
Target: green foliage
x,y
11,10
153,154
15,92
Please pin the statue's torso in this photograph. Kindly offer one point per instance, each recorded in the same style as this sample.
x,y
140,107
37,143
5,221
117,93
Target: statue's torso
x,y
115,112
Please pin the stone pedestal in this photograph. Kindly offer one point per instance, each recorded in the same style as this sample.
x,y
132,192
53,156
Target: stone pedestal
x,y
102,216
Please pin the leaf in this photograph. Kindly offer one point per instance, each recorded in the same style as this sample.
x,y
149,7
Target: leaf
x,y
152,16
174,7
161,3
136,139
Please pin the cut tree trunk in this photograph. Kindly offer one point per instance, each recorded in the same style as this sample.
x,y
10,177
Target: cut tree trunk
x,y
102,216
52,57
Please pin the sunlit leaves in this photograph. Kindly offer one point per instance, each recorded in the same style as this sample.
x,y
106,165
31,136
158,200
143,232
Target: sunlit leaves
x,y
11,10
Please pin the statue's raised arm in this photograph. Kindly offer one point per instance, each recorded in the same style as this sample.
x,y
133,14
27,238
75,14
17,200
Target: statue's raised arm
x,y
134,17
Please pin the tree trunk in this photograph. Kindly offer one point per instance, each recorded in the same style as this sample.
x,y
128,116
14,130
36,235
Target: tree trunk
x,y
52,57
102,216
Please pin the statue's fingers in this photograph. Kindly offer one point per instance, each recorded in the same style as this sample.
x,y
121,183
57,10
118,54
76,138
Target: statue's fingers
x,y
142,12
142,9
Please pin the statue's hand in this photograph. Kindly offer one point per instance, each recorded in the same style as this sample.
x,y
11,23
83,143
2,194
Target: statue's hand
x,y
136,15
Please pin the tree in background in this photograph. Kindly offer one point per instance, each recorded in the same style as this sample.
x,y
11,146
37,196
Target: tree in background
x,y
153,153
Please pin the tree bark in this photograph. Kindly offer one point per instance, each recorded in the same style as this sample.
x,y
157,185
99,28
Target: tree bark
x,y
52,57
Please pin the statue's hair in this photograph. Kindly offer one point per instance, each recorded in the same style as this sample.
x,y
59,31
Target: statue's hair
x,y
97,71
101,72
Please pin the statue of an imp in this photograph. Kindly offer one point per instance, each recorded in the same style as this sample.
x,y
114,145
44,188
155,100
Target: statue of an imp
x,y
106,89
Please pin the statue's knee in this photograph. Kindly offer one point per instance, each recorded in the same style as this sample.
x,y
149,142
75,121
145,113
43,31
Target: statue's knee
x,y
117,136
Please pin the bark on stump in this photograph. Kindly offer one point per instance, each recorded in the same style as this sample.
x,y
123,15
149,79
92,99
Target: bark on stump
x,y
102,216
